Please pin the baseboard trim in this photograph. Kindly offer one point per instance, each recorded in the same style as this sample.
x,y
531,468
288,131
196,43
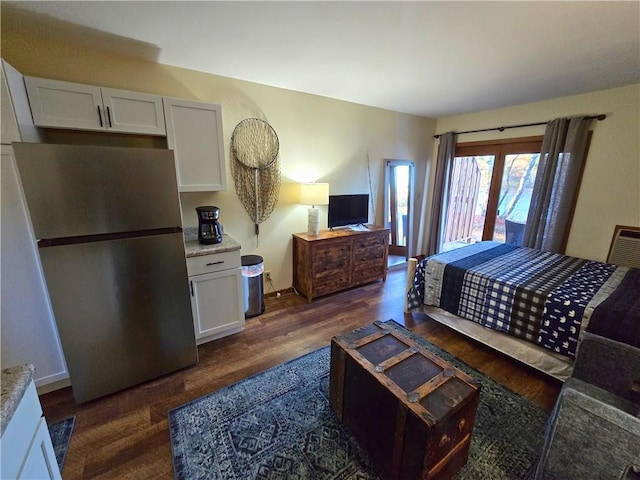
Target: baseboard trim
x,y
52,386
280,293
397,266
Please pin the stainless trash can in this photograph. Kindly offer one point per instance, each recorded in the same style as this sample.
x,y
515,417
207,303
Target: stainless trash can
x,y
252,270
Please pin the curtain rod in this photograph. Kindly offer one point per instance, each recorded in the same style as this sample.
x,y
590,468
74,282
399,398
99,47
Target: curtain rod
x,y
602,116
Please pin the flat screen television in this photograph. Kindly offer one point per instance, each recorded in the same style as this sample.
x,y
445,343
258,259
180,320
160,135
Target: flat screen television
x,y
348,210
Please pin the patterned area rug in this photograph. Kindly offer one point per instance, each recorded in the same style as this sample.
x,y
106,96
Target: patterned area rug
x,y
60,433
278,425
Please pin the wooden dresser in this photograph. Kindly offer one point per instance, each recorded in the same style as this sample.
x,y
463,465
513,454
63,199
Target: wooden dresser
x,y
334,261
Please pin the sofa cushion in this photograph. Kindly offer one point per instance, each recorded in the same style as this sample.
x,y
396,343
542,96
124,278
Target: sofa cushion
x,y
611,365
591,434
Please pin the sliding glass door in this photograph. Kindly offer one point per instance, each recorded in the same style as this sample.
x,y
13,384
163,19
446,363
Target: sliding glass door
x,y
489,191
514,198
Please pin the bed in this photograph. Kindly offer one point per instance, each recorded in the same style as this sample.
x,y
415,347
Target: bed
x,y
534,306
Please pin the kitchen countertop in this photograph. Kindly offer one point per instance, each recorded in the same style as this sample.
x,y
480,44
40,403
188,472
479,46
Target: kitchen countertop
x,y
15,381
195,249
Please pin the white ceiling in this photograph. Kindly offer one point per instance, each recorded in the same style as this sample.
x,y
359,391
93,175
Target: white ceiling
x,y
426,58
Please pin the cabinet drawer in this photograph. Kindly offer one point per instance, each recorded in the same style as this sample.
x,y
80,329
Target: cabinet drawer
x,y
375,255
331,258
213,263
331,267
370,242
367,273
335,283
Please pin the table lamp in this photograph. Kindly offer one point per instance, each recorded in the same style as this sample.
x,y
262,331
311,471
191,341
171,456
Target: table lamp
x,y
314,194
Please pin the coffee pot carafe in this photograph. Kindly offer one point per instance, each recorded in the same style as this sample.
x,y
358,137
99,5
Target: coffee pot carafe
x,y
209,229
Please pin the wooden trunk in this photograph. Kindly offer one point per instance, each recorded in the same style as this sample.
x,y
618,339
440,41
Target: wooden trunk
x,y
412,411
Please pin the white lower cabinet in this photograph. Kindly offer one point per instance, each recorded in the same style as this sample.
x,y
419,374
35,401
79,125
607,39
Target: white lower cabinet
x,y
27,451
40,462
216,295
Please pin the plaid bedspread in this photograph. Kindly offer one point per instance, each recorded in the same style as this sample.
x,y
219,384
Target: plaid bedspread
x,y
542,297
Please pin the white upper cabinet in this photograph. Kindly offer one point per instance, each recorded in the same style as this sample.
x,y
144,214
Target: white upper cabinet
x,y
9,123
58,104
17,123
133,112
194,133
193,129
65,105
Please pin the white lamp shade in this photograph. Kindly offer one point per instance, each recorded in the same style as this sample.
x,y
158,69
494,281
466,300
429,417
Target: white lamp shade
x,y
314,193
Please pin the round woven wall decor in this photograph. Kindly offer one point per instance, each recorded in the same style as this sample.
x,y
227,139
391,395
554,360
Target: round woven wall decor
x,y
256,168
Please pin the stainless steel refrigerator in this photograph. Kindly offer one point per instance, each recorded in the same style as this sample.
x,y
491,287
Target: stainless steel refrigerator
x,y
108,227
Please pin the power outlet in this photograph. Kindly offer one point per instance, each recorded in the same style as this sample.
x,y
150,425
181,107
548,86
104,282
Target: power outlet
x,y
267,275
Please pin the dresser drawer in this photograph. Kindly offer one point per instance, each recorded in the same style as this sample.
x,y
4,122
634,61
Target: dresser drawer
x,y
338,282
367,273
373,255
332,256
366,243
331,252
215,262
330,267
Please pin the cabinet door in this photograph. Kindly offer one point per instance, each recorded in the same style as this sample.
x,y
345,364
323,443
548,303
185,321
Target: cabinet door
x,y
17,121
9,123
133,112
40,462
216,300
19,432
194,133
65,105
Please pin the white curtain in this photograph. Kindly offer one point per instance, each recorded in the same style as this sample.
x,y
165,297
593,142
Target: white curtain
x,y
430,238
556,187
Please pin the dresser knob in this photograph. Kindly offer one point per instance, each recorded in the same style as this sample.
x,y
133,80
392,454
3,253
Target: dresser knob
x,y
444,440
461,424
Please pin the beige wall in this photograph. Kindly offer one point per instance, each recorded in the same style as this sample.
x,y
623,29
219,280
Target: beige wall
x,y
328,140
610,190
320,139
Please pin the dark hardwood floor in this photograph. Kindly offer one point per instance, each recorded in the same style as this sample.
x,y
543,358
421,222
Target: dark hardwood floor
x,y
125,435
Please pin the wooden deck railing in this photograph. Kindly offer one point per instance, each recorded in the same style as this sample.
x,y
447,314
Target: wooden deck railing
x,y
463,191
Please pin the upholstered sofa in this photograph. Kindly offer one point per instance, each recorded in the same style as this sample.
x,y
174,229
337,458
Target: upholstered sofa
x,y
594,429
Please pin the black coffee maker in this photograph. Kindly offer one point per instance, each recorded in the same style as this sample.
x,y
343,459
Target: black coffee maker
x,y
209,229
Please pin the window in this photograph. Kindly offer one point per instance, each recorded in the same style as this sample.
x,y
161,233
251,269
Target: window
x,y
489,191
